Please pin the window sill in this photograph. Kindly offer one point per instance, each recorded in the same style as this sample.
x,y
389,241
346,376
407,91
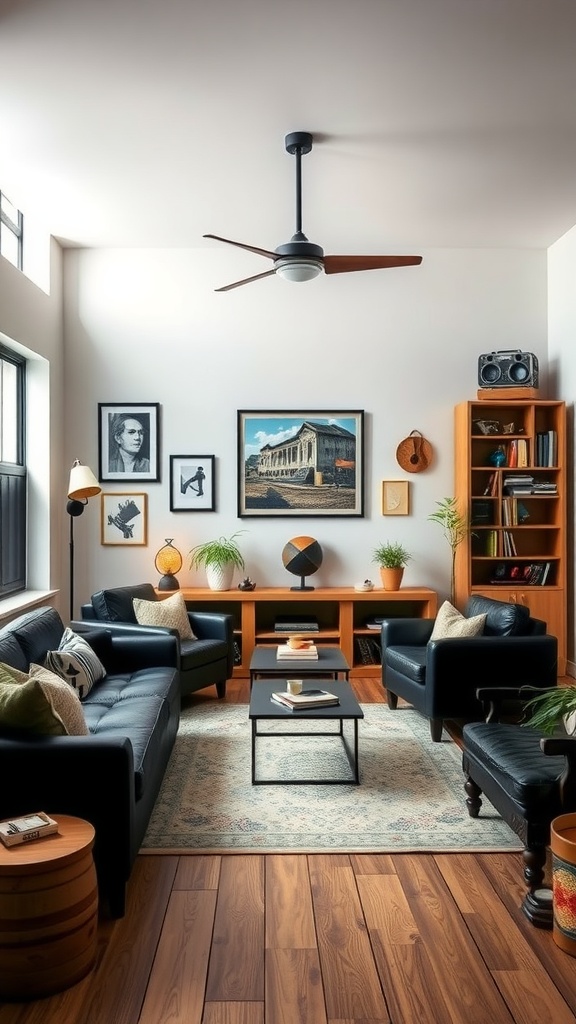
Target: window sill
x,y
23,602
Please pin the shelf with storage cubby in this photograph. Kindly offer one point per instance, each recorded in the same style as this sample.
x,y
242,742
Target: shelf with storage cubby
x,y
341,612
510,480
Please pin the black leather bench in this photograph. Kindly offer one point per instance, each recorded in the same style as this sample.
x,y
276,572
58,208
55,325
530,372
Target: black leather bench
x,y
530,779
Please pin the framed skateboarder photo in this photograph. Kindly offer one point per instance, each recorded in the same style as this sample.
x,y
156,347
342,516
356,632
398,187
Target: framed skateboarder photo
x,y
192,483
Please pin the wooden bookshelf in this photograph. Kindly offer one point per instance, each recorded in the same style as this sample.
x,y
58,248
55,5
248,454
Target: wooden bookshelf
x,y
514,531
341,612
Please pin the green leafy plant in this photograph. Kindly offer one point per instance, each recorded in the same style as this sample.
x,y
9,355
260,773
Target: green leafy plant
x,y
548,710
455,526
220,552
391,556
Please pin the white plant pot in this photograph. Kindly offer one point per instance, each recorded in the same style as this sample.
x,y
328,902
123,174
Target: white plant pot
x,y
219,577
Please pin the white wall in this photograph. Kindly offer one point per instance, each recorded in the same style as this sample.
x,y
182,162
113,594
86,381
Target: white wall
x,y
31,322
562,361
146,326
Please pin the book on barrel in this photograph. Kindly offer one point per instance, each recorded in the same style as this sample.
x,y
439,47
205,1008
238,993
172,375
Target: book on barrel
x,y
23,830
306,699
308,653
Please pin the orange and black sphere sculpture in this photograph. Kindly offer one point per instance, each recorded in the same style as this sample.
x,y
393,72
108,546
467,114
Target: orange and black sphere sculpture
x,y
302,556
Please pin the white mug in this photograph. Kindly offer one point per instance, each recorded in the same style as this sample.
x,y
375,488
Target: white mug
x,y
294,685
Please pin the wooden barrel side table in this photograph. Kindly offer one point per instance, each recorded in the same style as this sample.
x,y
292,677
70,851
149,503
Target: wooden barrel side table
x,y
48,911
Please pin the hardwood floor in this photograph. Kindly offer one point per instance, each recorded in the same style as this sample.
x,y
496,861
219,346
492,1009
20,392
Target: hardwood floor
x,y
320,939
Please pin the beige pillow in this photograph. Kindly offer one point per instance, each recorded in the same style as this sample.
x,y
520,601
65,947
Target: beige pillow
x,y
450,623
170,612
39,703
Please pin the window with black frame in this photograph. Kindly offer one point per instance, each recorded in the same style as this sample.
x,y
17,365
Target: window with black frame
x,y
11,232
13,507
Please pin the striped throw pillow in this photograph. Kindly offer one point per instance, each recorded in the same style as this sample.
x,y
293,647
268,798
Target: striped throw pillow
x,y
76,662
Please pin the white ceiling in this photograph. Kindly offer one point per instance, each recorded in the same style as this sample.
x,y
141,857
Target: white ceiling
x,y
152,122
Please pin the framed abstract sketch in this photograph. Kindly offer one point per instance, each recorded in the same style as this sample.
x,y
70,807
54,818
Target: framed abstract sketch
x,y
395,497
128,441
300,463
124,519
192,485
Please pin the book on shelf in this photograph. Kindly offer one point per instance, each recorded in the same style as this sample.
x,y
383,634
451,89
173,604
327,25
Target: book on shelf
x,y
296,624
27,828
306,699
530,574
367,650
285,653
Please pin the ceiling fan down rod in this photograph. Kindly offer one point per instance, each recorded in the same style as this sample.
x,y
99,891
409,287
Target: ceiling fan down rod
x,y
298,144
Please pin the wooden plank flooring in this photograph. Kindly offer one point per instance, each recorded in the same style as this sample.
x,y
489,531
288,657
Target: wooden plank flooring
x,y
320,939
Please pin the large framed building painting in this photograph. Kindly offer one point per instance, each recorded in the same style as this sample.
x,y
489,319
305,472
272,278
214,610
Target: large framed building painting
x,y
306,463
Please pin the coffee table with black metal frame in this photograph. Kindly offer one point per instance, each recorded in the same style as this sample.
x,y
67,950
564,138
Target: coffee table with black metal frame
x,y
262,708
330,663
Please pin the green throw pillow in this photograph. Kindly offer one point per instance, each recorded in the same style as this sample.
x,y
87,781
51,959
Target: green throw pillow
x,y
39,703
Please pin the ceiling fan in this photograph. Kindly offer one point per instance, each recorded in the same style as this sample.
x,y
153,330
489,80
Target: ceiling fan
x,y
299,259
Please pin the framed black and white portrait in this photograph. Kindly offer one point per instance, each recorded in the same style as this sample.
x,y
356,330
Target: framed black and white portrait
x,y
128,441
192,485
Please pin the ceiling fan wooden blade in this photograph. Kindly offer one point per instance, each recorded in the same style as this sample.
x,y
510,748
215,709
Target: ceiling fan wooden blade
x,y
347,264
246,280
241,245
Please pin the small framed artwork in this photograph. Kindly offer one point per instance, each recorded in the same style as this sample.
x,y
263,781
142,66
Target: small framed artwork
x,y
192,486
124,519
128,441
306,463
395,497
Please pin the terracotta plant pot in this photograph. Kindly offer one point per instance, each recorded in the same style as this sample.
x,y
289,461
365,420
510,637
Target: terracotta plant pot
x,y
563,847
391,578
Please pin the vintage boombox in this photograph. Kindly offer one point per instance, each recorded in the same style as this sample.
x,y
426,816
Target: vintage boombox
x,y
508,369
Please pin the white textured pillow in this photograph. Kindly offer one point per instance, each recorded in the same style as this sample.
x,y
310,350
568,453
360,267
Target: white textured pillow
x,y
170,612
62,699
76,663
450,623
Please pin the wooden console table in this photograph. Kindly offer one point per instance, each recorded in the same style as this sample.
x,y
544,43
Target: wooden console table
x,y
341,612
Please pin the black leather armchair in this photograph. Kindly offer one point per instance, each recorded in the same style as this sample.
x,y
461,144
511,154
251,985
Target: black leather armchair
x,y
529,778
206,661
440,677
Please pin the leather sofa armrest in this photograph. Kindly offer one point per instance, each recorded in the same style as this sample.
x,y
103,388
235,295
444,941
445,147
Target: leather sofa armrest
x,y
532,660
565,745
215,626
493,698
141,650
405,632
134,647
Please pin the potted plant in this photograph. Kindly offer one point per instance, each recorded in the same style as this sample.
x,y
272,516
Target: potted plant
x,y
392,559
455,527
219,558
549,710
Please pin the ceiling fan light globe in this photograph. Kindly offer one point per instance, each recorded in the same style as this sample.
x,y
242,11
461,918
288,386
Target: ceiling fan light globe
x,y
299,269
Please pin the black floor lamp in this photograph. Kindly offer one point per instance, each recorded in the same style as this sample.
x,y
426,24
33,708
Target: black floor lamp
x,y
81,486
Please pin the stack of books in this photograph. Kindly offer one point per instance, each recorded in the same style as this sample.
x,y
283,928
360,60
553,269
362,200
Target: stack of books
x,y
516,485
296,624
308,653
306,699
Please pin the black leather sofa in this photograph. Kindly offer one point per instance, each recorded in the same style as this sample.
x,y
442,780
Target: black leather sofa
x,y
205,661
112,776
440,678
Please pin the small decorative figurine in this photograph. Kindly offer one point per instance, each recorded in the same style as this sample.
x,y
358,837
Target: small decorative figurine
x,y
247,584
498,457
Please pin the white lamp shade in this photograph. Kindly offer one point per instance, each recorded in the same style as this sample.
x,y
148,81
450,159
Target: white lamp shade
x,y
82,484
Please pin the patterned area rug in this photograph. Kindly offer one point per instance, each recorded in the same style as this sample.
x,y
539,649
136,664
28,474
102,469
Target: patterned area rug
x,y
411,796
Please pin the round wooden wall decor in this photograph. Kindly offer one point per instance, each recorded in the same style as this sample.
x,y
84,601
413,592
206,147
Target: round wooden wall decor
x,y
414,453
